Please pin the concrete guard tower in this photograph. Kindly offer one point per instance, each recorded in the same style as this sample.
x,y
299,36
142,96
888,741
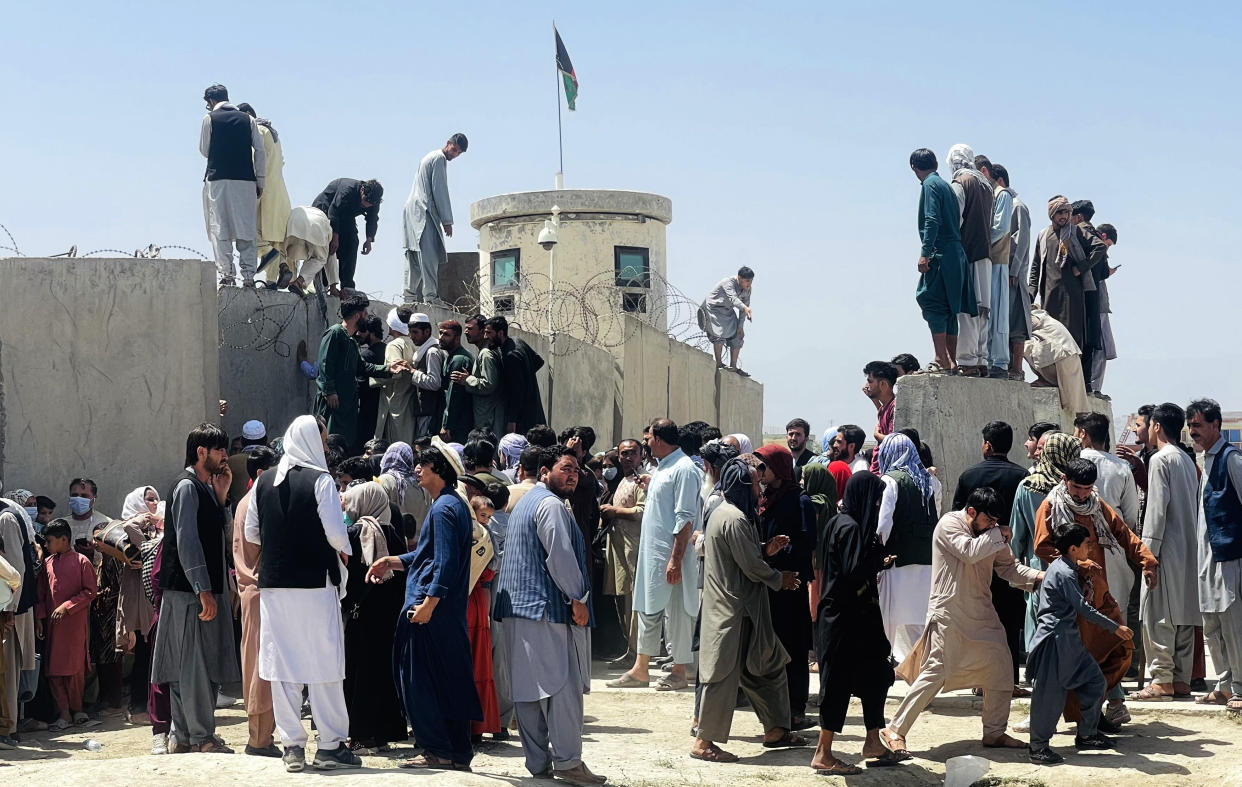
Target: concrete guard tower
x,y
609,259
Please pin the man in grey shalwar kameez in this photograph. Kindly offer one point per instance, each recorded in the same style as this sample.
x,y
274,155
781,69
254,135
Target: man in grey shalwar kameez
x,y
723,314
1170,610
428,212
1219,539
194,650
236,167
738,645
543,597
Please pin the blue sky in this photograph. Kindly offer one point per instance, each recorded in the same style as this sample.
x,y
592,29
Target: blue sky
x,y
782,140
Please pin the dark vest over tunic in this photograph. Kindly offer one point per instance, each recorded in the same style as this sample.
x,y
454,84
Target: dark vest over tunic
x,y
1223,510
230,155
914,522
976,218
296,552
210,524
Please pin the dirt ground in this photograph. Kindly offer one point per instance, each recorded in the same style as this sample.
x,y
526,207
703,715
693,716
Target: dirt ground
x,y
641,738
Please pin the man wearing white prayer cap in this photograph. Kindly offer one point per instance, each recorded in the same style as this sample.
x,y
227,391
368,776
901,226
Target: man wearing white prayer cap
x,y
399,397
253,433
428,375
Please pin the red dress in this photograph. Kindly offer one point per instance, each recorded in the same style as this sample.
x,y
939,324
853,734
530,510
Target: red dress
x,y
68,578
478,614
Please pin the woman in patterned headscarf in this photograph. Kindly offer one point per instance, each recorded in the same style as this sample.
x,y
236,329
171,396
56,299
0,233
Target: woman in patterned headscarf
x,y
397,478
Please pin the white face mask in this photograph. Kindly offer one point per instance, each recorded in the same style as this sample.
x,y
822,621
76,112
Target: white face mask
x,y
610,473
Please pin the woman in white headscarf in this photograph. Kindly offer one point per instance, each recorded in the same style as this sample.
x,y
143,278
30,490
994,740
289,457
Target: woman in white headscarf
x,y
375,715
134,613
739,441
301,633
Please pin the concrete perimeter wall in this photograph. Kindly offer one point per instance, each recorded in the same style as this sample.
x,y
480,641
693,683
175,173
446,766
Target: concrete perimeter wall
x,y
105,365
616,392
950,412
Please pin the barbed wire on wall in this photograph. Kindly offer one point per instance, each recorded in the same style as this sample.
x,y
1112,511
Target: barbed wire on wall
x,y
593,311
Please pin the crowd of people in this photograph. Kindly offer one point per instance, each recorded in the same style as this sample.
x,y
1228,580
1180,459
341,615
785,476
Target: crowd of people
x,y
246,208
988,295
689,558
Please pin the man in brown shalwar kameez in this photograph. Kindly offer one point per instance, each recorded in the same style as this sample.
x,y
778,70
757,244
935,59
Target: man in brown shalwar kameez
x,y
1076,497
256,692
964,644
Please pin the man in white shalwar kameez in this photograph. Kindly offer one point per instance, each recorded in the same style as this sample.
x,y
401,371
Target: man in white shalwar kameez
x,y
667,574
1170,610
428,213
301,632
273,215
236,172
1220,552
307,238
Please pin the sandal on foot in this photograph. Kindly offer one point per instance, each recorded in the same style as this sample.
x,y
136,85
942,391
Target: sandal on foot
x,y
671,683
426,762
899,753
1214,697
1147,695
1006,742
1234,704
714,754
628,681
885,760
839,768
786,741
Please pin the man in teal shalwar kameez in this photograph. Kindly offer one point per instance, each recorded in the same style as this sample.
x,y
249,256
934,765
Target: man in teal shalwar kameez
x,y
944,289
339,366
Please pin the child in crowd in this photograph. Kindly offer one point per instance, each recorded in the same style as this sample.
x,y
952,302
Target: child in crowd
x,y
66,588
479,627
1058,661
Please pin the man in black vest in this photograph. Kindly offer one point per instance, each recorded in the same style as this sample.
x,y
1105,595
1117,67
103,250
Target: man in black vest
x,y
236,164
296,516
1003,476
194,649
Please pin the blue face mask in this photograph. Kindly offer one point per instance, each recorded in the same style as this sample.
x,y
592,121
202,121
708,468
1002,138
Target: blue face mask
x,y
79,505
32,512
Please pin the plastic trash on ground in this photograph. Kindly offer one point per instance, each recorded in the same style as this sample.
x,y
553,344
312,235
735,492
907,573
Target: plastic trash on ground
x,y
965,770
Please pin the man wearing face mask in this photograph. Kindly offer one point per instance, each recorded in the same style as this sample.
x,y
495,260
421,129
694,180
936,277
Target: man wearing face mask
x,y
83,517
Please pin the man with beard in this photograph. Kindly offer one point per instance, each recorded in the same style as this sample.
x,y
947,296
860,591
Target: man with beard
x,y
194,648
483,381
974,199
457,418
796,432
963,644
1059,275
1019,239
543,596
1075,500
625,512
1096,252
519,363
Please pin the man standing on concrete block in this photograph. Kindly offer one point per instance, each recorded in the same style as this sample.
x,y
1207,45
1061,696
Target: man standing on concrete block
x,y
1000,236
724,313
340,364
944,289
1019,268
236,168
974,200
344,200
1220,552
428,212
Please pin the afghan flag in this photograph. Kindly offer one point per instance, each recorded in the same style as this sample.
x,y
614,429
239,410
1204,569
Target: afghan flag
x,y
566,67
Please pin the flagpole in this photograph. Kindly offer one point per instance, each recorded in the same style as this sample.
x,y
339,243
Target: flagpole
x,y
560,143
